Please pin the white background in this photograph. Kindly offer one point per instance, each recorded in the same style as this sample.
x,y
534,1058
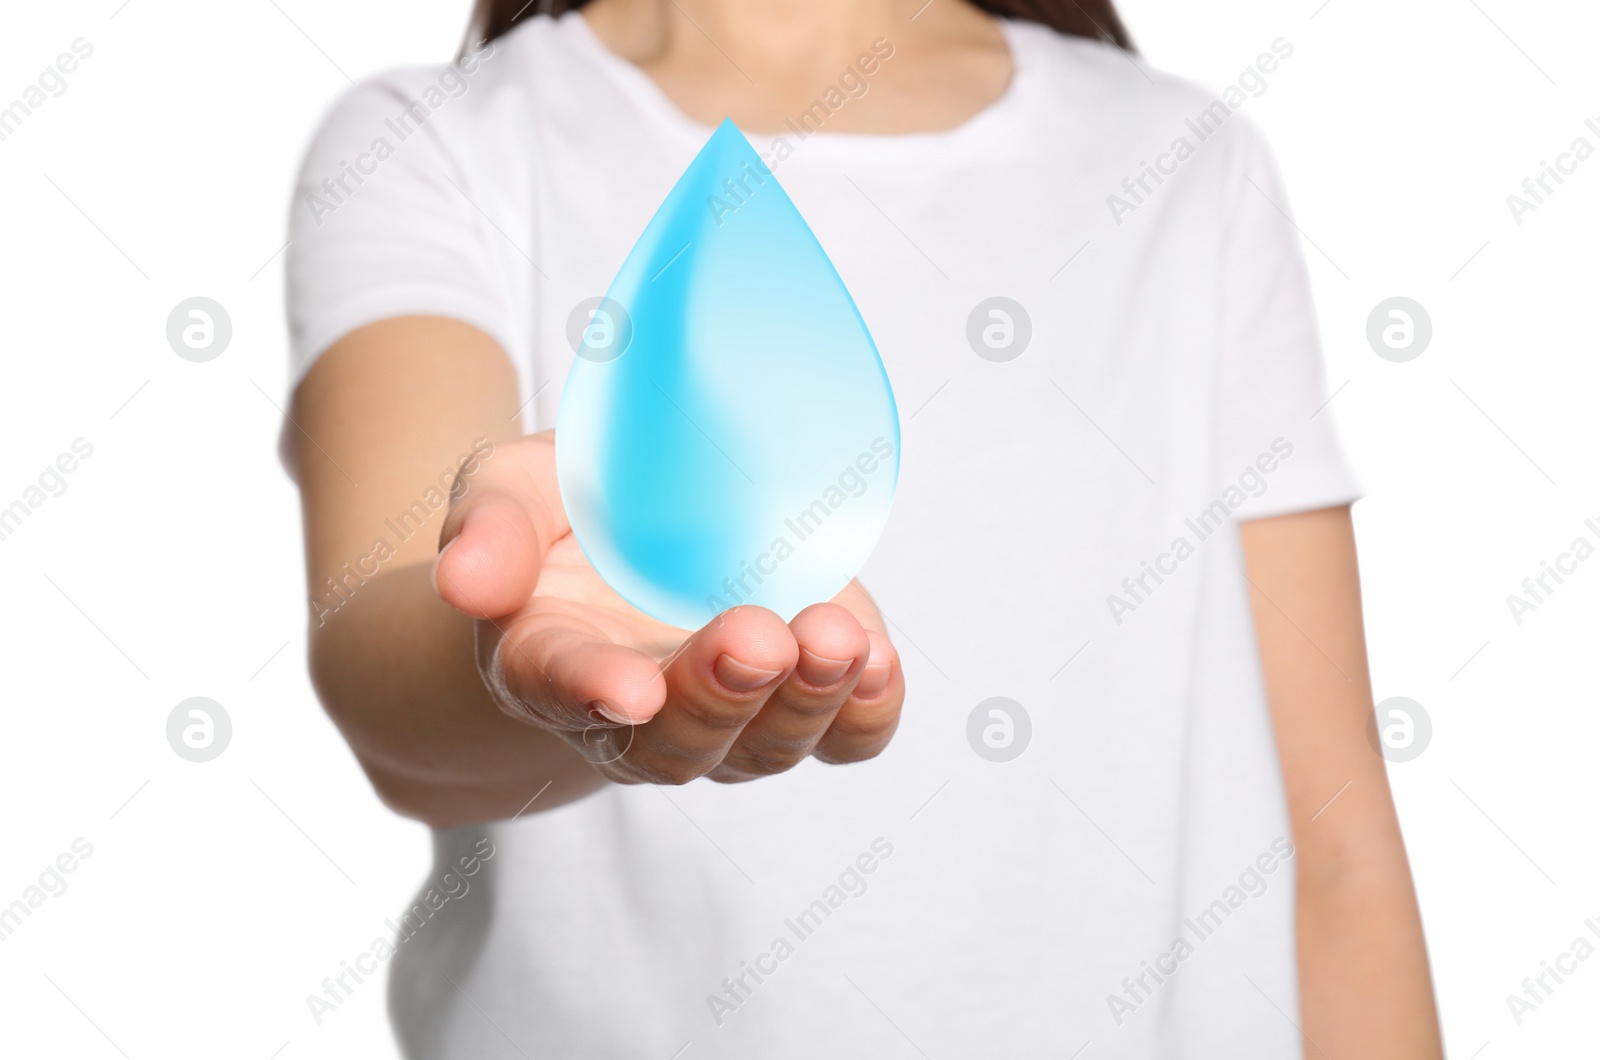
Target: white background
x,y
219,895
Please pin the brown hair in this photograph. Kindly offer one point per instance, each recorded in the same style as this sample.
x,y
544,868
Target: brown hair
x,y
1094,19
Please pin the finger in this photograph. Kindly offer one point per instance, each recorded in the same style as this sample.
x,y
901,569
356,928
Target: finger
x,y
716,683
864,725
565,674
833,653
499,529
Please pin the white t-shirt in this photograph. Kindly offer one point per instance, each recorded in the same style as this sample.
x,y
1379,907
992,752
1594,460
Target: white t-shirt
x,y
1079,834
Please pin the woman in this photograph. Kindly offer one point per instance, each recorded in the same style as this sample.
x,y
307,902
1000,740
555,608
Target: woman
x,y
1130,811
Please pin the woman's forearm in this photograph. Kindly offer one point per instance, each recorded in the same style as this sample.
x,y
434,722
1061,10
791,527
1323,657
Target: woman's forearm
x,y
395,668
382,426
1365,988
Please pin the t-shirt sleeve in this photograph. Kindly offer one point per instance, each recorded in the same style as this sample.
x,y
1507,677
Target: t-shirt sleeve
x,y
1275,434
382,225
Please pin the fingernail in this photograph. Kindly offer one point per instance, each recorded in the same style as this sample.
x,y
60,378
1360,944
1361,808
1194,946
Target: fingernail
x,y
821,672
739,677
433,572
874,679
599,711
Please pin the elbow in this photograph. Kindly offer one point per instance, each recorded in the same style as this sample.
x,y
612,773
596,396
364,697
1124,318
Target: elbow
x,y
348,702
408,798
1346,863
347,696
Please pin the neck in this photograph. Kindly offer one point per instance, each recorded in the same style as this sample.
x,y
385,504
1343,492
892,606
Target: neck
x,y
759,31
759,61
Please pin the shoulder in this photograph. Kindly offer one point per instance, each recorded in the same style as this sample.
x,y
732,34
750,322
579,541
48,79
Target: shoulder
x,y
1133,102
400,102
439,98
1146,135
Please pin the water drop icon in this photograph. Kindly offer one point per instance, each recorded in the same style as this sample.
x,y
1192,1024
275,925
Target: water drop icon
x,y
727,434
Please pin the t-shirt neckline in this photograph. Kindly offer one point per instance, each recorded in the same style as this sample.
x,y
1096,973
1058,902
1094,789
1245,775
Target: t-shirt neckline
x,y
658,108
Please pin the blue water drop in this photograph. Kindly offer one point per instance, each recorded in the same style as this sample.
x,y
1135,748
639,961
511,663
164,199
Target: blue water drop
x,y
727,434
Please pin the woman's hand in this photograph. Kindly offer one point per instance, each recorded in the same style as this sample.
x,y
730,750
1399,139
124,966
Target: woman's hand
x,y
644,702
460,719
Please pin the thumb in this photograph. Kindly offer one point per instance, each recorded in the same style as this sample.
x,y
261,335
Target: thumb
x,y
502,522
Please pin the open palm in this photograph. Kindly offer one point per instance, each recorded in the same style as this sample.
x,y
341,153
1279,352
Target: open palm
x,y
747,695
